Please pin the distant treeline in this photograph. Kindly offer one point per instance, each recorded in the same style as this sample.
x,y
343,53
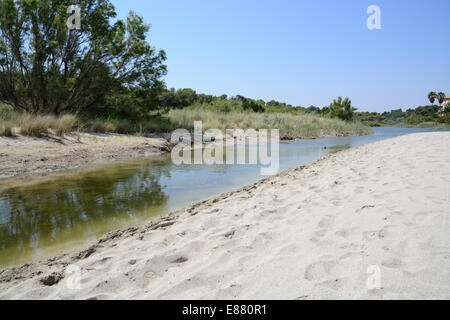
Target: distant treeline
x,y
413,117
188,98
183,98
339,108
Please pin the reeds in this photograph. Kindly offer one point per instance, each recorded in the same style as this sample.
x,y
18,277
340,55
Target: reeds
x,y
290,126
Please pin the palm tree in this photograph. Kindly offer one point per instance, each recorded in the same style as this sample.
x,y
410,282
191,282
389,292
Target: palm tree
x,y
432,97
441,97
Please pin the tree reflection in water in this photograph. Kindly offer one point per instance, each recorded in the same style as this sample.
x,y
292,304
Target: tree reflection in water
x,y
77,209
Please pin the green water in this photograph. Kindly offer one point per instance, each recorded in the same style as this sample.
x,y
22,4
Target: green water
x,y
71,211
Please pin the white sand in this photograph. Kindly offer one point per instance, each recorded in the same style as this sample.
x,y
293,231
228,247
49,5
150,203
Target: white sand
x,y
309,233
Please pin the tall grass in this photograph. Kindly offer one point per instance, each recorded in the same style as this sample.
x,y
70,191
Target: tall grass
x,y
42,125
34,125
37,125
6,125
64,124
290,126
6,129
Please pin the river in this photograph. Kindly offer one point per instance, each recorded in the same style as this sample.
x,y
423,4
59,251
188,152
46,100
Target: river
x,y
74,209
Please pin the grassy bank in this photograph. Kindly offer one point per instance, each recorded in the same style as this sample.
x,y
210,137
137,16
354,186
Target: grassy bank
x,y
290,126
14,123
403,124
425,125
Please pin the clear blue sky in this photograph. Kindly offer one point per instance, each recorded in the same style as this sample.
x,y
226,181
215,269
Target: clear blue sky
x,y
303,52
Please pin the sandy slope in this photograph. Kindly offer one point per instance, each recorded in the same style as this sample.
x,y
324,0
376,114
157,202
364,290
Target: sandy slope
x,y
24,155
309,233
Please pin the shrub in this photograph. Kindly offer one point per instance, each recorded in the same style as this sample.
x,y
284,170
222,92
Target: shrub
x,y
6,129
34,126
63,125
445,118
415,119
100,126
6,112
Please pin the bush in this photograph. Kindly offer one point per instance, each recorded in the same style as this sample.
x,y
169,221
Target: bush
x,y
6,129
6,112
99,126
63,125
34,126
415,119
254,106
445,118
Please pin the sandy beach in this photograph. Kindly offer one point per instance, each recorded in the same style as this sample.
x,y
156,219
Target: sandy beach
x,y
320,231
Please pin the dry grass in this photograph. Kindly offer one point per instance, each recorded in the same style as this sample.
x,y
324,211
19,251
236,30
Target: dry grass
x,y
111,126
290,126
102,127
34,126
6,129
64,124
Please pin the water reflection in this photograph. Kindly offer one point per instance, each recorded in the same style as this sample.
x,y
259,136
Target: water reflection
x,y
79,208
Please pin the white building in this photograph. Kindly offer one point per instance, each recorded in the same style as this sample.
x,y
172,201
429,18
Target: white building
x,y
445,104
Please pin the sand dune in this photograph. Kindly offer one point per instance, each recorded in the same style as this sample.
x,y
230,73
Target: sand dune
x,y
316,232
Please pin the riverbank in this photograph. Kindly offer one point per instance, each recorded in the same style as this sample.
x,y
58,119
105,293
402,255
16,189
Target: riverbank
x,y
308,233
23,156
290,126
426,125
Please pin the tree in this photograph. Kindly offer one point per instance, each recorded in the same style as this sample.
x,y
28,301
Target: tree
x,y
46,68
441,97
240,98
255,106
273,103
186,97
340,108
432,97
313,109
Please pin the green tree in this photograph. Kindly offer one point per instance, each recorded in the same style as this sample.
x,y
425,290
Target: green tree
x,y
46,68
441,97
340,108
255,106
186,97
432,97
313,109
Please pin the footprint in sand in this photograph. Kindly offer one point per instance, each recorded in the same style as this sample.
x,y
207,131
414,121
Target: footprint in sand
x,y
392,263
319,270
326,222
345,233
